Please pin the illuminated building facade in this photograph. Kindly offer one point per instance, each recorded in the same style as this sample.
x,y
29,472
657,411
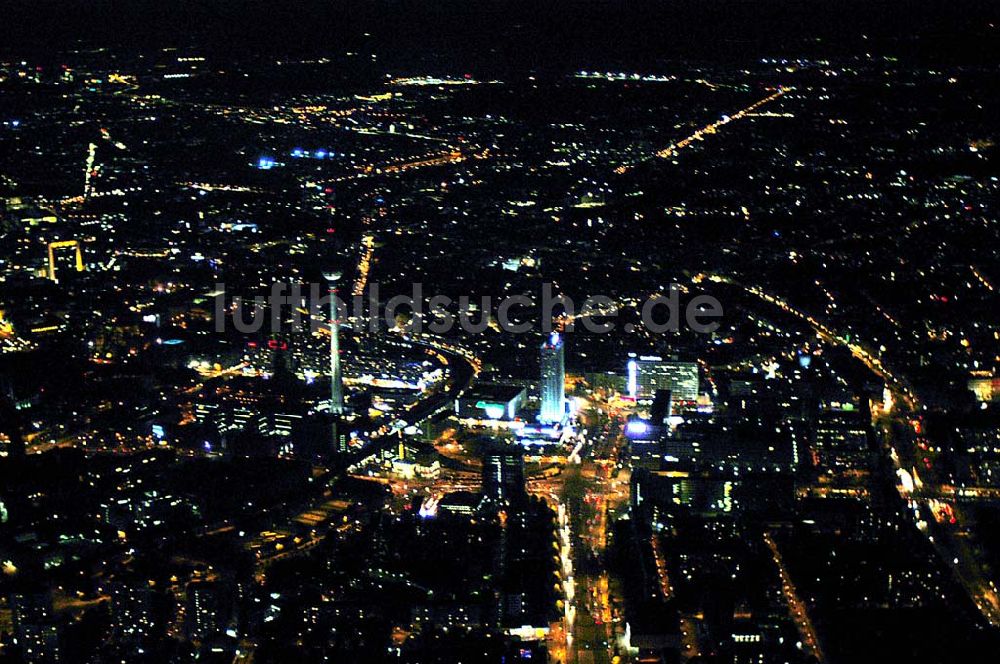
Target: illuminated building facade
x,y
503,475
35,627
985,387
132,613
490,402
649,373
336,377
64,257
553,361
204,611
842,440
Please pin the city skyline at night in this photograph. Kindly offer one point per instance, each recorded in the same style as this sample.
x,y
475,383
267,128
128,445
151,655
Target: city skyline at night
x,y
584,332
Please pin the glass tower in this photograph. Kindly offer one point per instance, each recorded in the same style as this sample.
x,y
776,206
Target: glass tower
x,y
553,380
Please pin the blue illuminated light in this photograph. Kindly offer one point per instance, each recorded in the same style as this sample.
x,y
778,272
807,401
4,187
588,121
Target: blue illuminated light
x,y
265,163
494,411
636,428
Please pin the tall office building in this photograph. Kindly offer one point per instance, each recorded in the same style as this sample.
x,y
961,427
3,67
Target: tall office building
x,y
662,409
553,379
336,378
132,612
649,373
503,475
841,440
204,610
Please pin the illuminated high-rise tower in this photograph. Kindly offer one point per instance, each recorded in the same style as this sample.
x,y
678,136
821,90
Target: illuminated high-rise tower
x,y
89,172
553,380
336,378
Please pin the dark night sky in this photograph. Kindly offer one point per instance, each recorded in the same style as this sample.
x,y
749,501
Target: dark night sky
x,y
514,32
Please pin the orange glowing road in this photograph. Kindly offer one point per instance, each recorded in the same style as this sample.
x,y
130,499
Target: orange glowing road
x,y
900,388
661,568
981,278
364,265
591,620
710,128
796,606
447,158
